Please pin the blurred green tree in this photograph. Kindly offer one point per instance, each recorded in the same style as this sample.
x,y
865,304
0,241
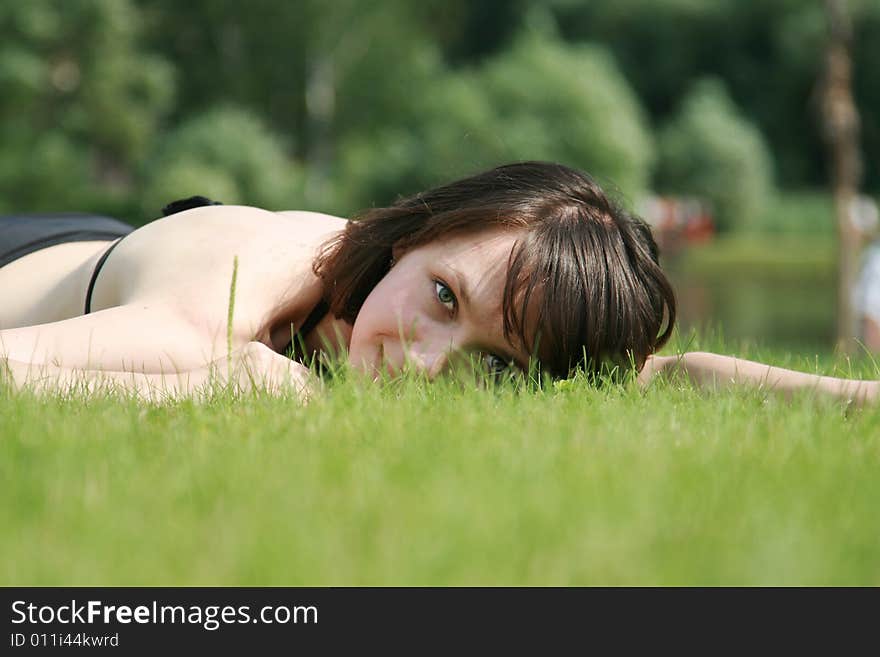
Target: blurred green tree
x,y
768,53
319,75
226,154
81,103
541,99
865,55
570,103
376,100
709,150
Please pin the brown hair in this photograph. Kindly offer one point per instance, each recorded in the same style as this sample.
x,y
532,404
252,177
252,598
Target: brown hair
x,y
589,268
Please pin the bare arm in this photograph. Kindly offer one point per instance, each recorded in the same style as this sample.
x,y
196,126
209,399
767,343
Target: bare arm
x,y
52,379
714,371
254,367
148,337
148,349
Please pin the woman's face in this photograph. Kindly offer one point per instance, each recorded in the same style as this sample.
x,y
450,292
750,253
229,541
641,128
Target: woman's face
x,y
440,302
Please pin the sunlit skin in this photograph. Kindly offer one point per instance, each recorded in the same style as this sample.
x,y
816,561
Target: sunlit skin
x,y
438,303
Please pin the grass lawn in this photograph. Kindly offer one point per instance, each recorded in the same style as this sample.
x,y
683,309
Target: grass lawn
x,y
414,484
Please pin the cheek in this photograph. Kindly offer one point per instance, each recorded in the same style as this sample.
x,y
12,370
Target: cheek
x,y
362,347
392,305
376,321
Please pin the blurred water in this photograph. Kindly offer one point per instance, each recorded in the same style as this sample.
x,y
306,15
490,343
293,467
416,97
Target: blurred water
x,y
780,312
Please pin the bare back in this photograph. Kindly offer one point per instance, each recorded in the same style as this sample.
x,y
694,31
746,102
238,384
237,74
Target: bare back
x,y
182,264
47,285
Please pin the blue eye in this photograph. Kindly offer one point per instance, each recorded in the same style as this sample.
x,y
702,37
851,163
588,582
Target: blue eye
x,y
496,364
444,294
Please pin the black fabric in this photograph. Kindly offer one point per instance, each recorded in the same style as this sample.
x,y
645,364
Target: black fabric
x,y
187,204
294,347
172,208
100,263
25,233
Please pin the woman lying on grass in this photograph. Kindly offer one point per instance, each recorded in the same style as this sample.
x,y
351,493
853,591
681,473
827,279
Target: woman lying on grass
x,y
528,267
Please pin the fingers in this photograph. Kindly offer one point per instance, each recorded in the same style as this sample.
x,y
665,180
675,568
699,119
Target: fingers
x,y
647,372
262,368
653,365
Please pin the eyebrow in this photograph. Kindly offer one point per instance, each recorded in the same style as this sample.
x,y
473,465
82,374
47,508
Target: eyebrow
x,y
462,286
461,282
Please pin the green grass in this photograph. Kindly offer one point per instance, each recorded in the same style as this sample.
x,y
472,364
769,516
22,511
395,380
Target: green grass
x,y
414,484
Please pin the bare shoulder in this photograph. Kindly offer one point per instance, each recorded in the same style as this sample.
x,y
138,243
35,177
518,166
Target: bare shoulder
x,y
186,261
208,232
317,218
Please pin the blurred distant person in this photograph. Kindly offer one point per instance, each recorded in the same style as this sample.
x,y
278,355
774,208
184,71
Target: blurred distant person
x,y
866,295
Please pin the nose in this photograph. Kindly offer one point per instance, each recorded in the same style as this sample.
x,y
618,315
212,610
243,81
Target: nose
x,y
425,347
431,360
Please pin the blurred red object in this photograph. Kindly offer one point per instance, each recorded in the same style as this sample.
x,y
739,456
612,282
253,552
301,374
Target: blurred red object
x,y
678,222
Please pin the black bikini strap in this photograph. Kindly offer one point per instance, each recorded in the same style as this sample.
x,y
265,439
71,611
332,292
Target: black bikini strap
x,y
95,276
314,317
317,314
171,208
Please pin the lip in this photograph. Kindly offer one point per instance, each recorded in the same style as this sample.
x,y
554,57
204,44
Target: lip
x,y
377,363
389,367
383,367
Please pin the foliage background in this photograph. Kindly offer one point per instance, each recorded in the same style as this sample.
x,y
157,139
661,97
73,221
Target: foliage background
x,y
118,105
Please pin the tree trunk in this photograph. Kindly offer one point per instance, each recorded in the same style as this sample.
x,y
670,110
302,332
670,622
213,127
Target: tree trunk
x,y
840,128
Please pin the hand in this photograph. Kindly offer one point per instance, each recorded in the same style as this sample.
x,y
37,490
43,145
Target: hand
x,y
714,372
256,367
861,393
653,366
